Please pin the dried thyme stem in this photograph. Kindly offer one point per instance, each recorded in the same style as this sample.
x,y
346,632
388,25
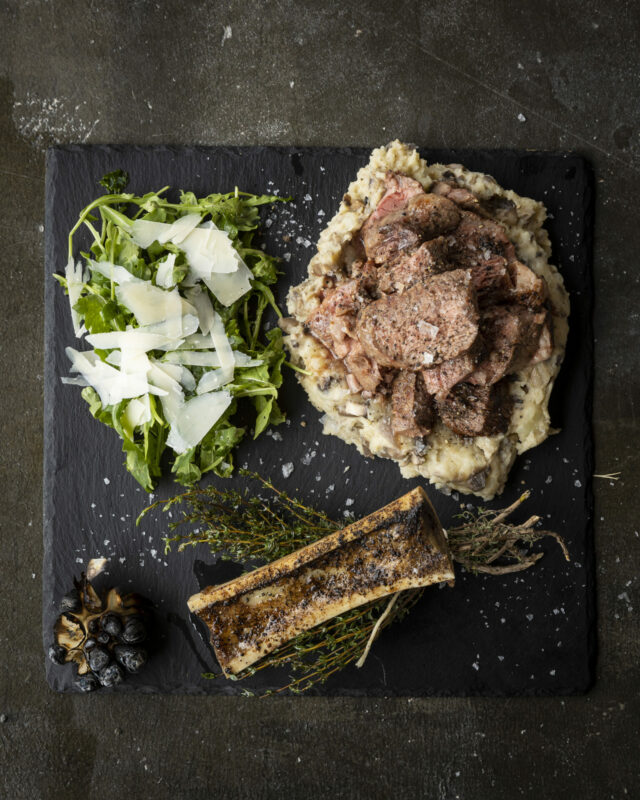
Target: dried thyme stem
x,y
246,527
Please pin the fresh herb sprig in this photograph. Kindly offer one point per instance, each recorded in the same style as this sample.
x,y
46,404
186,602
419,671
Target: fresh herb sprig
x,y
108,220
248,527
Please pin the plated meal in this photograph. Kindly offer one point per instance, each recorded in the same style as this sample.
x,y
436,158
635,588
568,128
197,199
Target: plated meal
x,y
432,325
429,331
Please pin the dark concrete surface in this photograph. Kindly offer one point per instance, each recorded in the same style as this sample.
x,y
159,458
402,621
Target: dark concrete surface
x,y
547,75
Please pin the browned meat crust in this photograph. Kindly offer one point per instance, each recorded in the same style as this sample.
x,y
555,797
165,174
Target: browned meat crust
x,y
477,410
441,379
405,217
477,239
512,334
403,272
412,408
430,323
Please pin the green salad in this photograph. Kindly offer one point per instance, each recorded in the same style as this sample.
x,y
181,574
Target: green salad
x,y
171,297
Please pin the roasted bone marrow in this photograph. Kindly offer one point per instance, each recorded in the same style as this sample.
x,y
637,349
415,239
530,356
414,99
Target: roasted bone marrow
x,y
401,546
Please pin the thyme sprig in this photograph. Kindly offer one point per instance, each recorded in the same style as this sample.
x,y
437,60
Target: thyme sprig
x,y
245,527
248,527
485,538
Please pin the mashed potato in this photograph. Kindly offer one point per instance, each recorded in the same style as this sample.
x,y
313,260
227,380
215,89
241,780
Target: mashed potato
x,y
477,465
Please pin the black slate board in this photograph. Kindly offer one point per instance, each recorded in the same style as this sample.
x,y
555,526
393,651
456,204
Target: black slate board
x,y
526,634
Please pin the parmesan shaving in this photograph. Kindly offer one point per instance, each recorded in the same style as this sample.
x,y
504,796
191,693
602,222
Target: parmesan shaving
x,y
231,287
138,412
150,304
114,272
144,232
164,275
134,340
75,282
199,297
195,418
112,385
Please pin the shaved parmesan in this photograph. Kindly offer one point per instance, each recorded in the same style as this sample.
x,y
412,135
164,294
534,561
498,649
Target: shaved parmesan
x,y
229,288
114,272
208,250
138,412
144,232
199,297
150,304
198,358
211,381
134,340
175,329
162,378
193,358
195,419
243,360
222,345
181,228
111,384
187,380
197,341
164,275
75,282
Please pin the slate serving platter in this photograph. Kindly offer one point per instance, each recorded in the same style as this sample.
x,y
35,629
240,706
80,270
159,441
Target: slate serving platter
x,y
531,633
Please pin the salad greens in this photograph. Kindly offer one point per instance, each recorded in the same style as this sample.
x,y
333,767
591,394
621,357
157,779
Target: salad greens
x,y
96,302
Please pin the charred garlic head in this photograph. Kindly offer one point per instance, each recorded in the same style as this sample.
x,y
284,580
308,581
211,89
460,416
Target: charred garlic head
x,y
105,638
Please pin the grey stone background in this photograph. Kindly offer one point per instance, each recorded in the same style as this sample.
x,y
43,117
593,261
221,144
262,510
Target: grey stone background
x,y
547,75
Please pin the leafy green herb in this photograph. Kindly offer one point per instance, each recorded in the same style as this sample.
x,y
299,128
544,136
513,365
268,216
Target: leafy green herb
x,y
244,526
109,220
115,182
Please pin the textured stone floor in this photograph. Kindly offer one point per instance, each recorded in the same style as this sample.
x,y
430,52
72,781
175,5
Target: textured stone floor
x,y
544,75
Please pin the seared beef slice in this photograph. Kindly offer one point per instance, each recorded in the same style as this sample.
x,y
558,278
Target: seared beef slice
x,y
513,335
405,217
477,239
430,323
477,410
412,410
405,270
333,322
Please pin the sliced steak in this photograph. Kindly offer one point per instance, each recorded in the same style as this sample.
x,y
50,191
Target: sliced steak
x,y
513,335
492,281
412,408
459,195
441,379
333,322
366,272
431,215
405,216
429,323
477,239
477,410
399,189
389,238
528,288
405,270
364,370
